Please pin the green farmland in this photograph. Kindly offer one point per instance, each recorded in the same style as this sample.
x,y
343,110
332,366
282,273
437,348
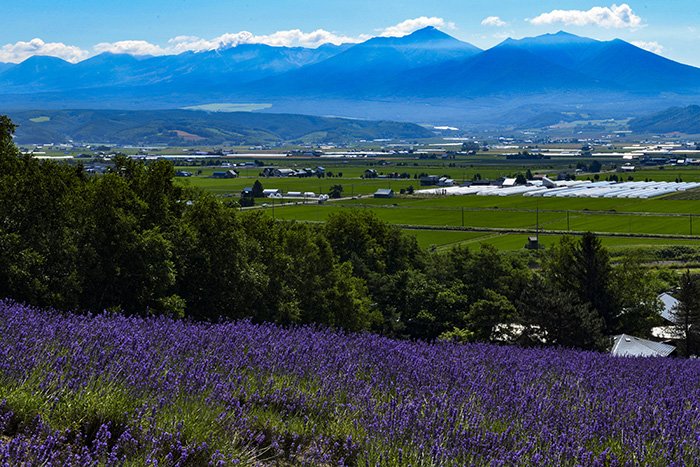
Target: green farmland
x,y
594,220
505,222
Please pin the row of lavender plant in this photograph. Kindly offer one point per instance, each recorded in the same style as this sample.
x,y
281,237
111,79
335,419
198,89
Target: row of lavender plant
x,y
110,390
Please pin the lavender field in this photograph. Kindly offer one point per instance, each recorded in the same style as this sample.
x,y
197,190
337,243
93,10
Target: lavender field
x,y
111,390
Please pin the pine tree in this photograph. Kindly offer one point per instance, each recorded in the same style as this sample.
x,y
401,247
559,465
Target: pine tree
x,y
583,267
687,313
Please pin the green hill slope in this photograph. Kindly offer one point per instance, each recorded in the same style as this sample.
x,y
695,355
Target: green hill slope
x,y
181,127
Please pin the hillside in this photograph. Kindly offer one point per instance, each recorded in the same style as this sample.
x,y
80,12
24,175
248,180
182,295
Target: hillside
x,y
247,394
177,127
676,119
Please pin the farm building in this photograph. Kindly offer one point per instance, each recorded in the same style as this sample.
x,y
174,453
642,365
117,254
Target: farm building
x,y
283,173
444,181
228,174
429,180
630,346
272,193
384,193
669,307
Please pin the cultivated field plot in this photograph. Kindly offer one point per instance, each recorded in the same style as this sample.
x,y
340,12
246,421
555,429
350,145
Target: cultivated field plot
x,y
112,390
442,239
424,214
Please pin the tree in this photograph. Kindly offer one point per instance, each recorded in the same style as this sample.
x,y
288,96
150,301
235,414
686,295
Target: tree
x,y
215,276
583,267
559,317
636,288
336,191
595,166
687,313
258,189
485,314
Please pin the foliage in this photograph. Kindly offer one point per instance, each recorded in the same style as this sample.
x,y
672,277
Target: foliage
x,y
336,191
583,267
258,189
687,313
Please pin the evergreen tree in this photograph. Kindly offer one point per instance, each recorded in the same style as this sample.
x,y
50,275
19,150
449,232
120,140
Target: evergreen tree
x,y
583,267
687,313
559,317
258,189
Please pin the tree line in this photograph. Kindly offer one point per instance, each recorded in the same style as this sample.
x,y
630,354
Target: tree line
x,y
135,242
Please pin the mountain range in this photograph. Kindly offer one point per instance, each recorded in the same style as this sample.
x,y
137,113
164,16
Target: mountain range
x,y
676,119
183,127
425,76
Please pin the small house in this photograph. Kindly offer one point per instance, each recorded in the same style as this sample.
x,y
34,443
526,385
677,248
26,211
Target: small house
x,y
669,303
629,346
384,193
533,243
272,193
429,180
283,173
228,174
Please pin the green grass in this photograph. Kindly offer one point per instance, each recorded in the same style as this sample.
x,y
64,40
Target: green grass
x,y
595,221
436,239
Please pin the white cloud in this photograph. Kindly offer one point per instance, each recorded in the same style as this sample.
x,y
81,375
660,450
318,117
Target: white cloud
x,y
296,37
130,47
289,38
493,21
619,17
20,51
651,46
180,44
411,25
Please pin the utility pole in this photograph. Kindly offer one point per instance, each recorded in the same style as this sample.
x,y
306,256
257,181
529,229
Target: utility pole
x,y
462,216
537,227
568,223
691,223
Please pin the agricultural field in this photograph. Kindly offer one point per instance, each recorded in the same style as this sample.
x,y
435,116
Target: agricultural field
x,y
442,239
518,213
508,220
113,390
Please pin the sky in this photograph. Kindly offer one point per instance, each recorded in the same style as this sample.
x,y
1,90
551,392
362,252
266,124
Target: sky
x,y
78,29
